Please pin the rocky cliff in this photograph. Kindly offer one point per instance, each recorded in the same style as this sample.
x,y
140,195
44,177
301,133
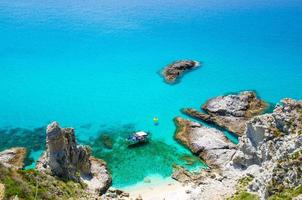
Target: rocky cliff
x,y
64,171
273,142
65,159
267,163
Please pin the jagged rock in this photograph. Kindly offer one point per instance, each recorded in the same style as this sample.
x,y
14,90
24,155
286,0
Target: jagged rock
x,y
2,191
100,179
176,69
113,193
185,176
64,159
13,158
274,142
182,175
230,112
209,143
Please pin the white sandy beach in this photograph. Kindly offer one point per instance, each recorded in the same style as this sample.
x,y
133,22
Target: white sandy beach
x,y
157,188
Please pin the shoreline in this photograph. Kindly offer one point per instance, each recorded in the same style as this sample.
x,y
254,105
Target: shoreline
x,y
155,187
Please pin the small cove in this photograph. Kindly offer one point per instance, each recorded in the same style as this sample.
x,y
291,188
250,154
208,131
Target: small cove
x,y
95,67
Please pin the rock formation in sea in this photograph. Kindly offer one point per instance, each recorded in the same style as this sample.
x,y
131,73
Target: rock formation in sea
x,y
13,158
173,71
65,171
230,112
65,159
267,163
208,143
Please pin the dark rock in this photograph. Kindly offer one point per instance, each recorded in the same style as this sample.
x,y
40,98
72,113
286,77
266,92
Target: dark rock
x,y
173,71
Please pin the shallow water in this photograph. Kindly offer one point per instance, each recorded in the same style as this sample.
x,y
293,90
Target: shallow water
x,y
94,65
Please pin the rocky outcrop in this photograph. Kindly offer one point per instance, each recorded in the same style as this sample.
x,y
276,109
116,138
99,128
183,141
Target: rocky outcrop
x,y
273,142
208,143
230,112
100,179
173,71
183,175
115,194
65,159
13,158
267,162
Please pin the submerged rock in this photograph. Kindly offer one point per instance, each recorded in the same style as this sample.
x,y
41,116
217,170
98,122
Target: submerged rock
x,y
173,71
13,158
208,143
64,159
230,112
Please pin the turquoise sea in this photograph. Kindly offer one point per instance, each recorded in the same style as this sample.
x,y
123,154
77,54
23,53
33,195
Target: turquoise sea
x,y
94,65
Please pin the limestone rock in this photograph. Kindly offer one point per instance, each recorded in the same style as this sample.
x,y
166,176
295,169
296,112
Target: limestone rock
x,y
115,194
173,71
64,159
182,175
269,151
209,143
185,176
100,179
231,111
13,158
274,142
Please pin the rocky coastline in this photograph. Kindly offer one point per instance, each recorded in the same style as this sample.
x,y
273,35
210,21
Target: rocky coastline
x,y
13,158
174,71
230,112
209,144
266,164
64,165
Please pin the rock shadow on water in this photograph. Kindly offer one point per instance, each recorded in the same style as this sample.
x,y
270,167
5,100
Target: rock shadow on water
x,y
130,165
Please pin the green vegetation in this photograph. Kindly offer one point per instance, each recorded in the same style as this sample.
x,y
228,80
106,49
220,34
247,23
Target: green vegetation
x,y
241,191
287,194
31,185
296,155
278,187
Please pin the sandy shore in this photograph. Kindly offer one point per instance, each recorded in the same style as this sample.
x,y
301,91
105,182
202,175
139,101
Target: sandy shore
x,y
157,188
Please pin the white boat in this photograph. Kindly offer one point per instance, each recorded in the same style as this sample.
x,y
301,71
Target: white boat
x,y
137,138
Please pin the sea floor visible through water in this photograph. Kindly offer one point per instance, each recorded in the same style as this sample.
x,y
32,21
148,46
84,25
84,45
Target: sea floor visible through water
x,y
95,66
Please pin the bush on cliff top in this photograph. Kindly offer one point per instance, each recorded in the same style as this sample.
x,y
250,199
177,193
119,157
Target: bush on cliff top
x,y
31,184
241,192
287,194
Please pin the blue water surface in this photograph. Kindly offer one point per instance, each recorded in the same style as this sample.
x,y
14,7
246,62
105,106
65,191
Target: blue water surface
x,y
94,65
